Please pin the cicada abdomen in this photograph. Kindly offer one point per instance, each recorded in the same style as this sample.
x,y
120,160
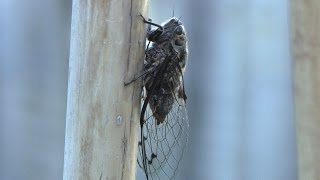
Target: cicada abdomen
x,y
164,121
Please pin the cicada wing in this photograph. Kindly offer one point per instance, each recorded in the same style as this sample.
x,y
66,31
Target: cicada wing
x,y
164,143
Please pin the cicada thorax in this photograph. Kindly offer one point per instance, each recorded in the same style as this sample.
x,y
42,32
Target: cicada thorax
x,y
164,95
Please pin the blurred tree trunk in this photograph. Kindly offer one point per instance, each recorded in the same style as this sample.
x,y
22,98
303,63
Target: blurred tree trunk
x,y
305,48
107,48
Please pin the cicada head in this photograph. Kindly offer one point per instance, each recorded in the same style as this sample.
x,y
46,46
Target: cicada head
x,y
175,31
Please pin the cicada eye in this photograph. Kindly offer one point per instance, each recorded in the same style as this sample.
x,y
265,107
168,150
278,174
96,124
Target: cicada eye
x,y
178,30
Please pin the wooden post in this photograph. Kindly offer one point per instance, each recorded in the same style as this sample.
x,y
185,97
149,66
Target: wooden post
x,y
305,28
107,49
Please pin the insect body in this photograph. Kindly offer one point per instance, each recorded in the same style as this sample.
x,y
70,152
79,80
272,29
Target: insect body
x,y
163,119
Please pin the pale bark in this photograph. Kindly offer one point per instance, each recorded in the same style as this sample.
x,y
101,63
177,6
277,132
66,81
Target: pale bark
x,y
107,49
305,28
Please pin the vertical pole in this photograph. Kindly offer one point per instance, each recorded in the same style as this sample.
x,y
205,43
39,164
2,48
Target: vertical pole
x,y
107,49
305,28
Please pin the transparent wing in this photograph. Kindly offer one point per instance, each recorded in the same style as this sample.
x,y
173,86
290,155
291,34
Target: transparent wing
x,y
164,143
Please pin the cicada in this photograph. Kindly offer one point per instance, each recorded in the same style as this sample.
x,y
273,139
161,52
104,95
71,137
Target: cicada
x,y
163,119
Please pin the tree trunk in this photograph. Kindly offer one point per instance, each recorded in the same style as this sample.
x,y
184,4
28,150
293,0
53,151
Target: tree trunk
x,y
305,25
107,49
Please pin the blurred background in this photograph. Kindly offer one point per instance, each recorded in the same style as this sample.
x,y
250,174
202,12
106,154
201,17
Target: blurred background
x,y
238,82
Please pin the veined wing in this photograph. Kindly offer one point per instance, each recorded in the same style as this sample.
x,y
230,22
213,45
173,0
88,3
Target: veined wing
x,y
163,144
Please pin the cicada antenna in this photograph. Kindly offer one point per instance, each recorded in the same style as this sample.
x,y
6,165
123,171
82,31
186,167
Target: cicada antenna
x,y
173,10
